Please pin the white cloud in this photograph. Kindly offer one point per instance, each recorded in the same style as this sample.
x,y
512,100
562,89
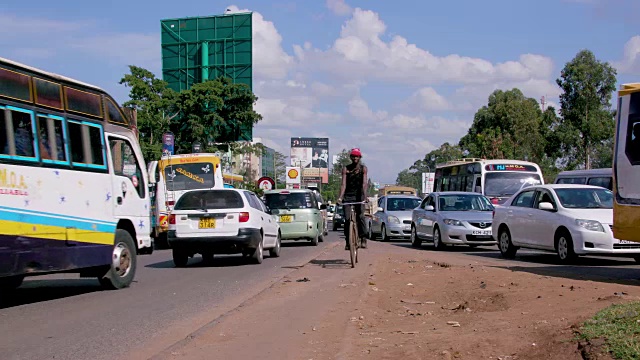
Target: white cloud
x,y
361,53
359,109
630,63
270,60
427,99
339,7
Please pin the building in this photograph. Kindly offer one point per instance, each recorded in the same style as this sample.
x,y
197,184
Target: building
x,y
253,166
269,162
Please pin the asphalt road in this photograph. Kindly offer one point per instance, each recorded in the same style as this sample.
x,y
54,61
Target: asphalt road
x,y
65,317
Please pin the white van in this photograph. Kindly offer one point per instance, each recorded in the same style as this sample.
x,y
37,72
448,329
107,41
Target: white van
x,y
597,177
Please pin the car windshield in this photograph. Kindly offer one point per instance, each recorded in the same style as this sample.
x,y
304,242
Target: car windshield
x,y
585,198
289,201
210,200
402,204
189,176
500,184
469,202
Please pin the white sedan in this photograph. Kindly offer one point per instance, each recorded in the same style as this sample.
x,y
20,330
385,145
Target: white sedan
x,y
222,221
570,220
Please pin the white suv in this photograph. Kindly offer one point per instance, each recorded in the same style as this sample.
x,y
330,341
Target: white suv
x,y
222,221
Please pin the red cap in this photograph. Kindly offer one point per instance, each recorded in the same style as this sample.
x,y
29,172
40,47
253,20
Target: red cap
x,y
355,152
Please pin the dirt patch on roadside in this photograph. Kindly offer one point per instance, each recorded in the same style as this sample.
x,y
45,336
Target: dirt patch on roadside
x,y
400,304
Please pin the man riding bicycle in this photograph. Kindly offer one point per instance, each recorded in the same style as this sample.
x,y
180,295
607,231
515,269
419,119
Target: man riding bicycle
x,y
354,189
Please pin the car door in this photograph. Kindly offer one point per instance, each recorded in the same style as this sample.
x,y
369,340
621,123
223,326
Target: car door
x,y
376,218
417,215
269,223
543,223
430,217
517,218
260,212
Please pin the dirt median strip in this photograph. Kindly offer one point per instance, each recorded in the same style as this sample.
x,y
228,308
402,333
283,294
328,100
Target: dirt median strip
x,y
399,303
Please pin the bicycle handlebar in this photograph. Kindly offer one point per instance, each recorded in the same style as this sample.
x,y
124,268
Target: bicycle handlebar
x,y
353,203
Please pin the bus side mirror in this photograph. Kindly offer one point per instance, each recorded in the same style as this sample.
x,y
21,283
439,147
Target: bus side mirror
x,y
429,208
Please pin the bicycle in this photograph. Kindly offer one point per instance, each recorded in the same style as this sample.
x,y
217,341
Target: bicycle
x,y
353,232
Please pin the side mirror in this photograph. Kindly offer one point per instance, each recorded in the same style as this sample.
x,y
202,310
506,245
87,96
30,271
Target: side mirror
x,y
379,209
547,206
429,208
323,207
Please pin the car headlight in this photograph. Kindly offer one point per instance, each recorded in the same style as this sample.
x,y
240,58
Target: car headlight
x,y
453,222
590,225
393,220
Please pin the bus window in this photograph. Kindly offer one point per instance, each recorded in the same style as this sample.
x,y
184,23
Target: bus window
x,y
125,163
633,141
572,180
51,135
605,182
18,137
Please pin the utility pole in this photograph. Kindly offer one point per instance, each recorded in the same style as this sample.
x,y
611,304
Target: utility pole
x,y
543,102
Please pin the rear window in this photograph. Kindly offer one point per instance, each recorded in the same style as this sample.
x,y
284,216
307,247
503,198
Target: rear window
x,y
189,176
289,201
210,200
572,180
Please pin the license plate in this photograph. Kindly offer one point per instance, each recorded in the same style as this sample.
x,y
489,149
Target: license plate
x,y
627,242
207,223
481,232
286,218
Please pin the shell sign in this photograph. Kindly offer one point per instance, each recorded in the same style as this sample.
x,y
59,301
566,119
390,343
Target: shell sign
x,y
293,175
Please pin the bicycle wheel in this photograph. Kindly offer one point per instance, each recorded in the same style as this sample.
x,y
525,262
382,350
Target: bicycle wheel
x,y
353,250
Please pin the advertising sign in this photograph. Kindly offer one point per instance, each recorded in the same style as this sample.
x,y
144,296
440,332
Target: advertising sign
x,y
168,143
428,179
311,153
293,175
266,183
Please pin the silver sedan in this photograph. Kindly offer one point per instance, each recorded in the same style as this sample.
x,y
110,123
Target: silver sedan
x,y
393,217
453,218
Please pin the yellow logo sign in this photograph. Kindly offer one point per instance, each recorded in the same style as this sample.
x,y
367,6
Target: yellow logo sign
x,y
12,183
190,175
293,173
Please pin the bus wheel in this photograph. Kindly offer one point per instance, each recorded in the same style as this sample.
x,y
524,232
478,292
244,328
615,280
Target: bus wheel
x,y
123,262
11,282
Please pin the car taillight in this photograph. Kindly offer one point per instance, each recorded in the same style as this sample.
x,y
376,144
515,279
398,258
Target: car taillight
x,y
493,214
244,217
172,219
169,203
494,200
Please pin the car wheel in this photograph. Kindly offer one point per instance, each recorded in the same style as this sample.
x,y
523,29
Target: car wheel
x,y
258,253
275,252
437,239
315,239
507,249
383,233
123,262
180,258
415,241
564,247
370,233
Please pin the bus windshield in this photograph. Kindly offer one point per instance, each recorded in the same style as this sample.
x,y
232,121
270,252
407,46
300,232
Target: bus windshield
x,y
189,176
500,184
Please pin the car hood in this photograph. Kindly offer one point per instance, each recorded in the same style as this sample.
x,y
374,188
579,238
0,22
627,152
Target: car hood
x,y
486,216
604,216
401,215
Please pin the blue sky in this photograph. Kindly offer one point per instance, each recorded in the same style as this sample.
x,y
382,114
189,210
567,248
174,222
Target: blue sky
x,y
396,79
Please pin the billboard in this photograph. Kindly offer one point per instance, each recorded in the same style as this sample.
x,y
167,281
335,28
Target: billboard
x,y
197,49
428,179
311,155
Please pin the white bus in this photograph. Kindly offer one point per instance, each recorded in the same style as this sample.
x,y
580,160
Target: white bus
x,y
171,177
496,179
73,190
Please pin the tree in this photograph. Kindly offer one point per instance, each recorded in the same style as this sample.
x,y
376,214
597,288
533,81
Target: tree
x,y
213,111
413,176
508,127
153,100
281,169
585,105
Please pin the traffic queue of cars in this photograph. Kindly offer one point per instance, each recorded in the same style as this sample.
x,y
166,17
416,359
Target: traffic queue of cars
x,y
237,221
568,219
